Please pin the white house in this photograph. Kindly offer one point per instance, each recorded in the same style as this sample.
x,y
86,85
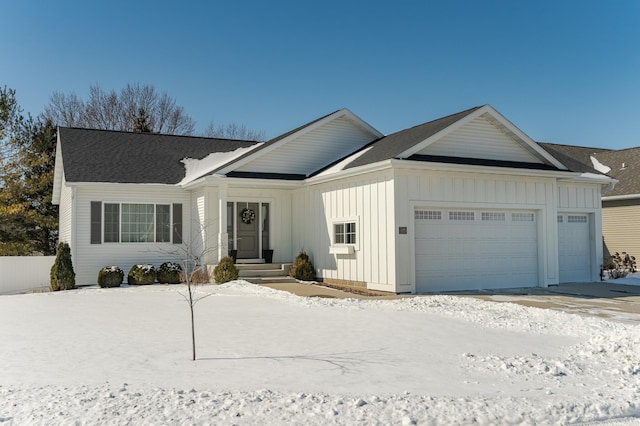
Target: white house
x,y
466,201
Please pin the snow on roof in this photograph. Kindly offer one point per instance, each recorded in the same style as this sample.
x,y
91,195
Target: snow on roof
x,y
195,169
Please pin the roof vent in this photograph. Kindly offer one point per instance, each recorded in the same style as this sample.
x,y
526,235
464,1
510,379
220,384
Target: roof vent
x,y
624,166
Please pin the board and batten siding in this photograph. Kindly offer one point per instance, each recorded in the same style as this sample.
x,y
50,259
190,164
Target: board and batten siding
x,y
368,200
619,226
467,190
89,258
313,150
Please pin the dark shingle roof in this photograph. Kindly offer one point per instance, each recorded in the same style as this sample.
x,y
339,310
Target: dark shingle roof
x,y
628,176
122,157
576,158
394,144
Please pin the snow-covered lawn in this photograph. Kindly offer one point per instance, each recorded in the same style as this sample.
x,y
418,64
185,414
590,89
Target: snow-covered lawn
x,y
122,356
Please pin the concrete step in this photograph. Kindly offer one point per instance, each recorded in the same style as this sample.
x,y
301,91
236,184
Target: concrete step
x,y
262,273
262,266
269,280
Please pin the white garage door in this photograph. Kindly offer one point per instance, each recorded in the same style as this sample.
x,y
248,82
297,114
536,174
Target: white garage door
x,y
475,249
574,247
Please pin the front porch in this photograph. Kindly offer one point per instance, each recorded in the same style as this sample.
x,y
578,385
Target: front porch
x,y
251,224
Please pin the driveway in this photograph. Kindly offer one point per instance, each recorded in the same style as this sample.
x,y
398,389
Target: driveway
x,y
618,302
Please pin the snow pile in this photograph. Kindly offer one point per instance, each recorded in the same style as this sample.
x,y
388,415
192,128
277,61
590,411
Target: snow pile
x,y
195,168
122,356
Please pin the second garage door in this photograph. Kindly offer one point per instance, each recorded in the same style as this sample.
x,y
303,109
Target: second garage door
x,y
475,249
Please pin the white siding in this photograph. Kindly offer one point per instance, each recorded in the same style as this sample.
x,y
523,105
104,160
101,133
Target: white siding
x,y
280,217
480,139
467,190
65,213
312,151
89,258
369,201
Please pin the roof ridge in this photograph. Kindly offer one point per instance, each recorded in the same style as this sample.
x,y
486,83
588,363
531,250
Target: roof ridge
x,y
574,146
465,112
146,134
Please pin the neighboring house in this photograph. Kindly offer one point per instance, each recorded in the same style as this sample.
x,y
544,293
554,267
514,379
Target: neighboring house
x,y
466,201
621,204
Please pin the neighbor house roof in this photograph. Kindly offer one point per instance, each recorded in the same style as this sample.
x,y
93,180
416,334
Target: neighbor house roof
x,y
123,157
625,167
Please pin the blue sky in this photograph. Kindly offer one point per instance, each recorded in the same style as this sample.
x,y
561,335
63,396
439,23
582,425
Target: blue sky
x,y
562,71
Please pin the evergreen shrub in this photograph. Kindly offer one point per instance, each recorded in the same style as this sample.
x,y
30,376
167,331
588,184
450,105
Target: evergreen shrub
x,y
110,276
141,275
302,268
62,275
225,271
170,273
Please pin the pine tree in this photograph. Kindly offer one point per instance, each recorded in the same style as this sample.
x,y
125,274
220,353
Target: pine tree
x,y
29,221
141,122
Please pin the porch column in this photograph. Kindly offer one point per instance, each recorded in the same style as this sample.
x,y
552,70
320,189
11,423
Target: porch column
x,y
223,236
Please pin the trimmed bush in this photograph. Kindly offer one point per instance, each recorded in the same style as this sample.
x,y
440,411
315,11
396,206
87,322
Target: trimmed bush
x,y
170,273
110,276
62,275
302,268
225,271
141,275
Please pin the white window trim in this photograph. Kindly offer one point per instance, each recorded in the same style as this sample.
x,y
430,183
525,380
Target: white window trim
x,y
155,212
344,248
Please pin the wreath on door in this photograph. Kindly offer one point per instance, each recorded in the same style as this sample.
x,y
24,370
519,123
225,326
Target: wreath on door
x,y
248,216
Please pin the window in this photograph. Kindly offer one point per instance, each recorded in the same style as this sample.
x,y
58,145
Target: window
x,y
560,219
493,216
576,219
461,216
344,233
163,223
137,223
112,223
428,215
522,217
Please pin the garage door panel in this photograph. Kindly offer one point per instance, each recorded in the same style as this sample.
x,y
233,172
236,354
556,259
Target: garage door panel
x,y
493,250
574,247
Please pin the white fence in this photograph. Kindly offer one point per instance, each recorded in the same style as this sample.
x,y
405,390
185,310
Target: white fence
x,y
23,273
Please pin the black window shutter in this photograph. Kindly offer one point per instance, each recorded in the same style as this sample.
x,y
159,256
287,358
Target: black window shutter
x,y
177,224
96,222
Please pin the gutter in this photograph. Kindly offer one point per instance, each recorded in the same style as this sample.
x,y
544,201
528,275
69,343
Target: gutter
x,y
621,197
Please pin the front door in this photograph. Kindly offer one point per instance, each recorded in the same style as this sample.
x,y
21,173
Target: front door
x,y
248,230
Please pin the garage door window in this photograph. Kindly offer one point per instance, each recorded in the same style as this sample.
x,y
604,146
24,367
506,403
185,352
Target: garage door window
x,y
428,215
461,216
493,216
577,219
522,217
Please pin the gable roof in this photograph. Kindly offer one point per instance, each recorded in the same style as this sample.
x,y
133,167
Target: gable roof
x,y
90,155
413,142
323,153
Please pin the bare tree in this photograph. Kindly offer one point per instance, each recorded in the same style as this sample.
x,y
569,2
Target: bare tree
x,y
233,131
190,255
118,111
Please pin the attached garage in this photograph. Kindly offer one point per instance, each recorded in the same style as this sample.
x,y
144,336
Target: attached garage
x,y
574,247
458,249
